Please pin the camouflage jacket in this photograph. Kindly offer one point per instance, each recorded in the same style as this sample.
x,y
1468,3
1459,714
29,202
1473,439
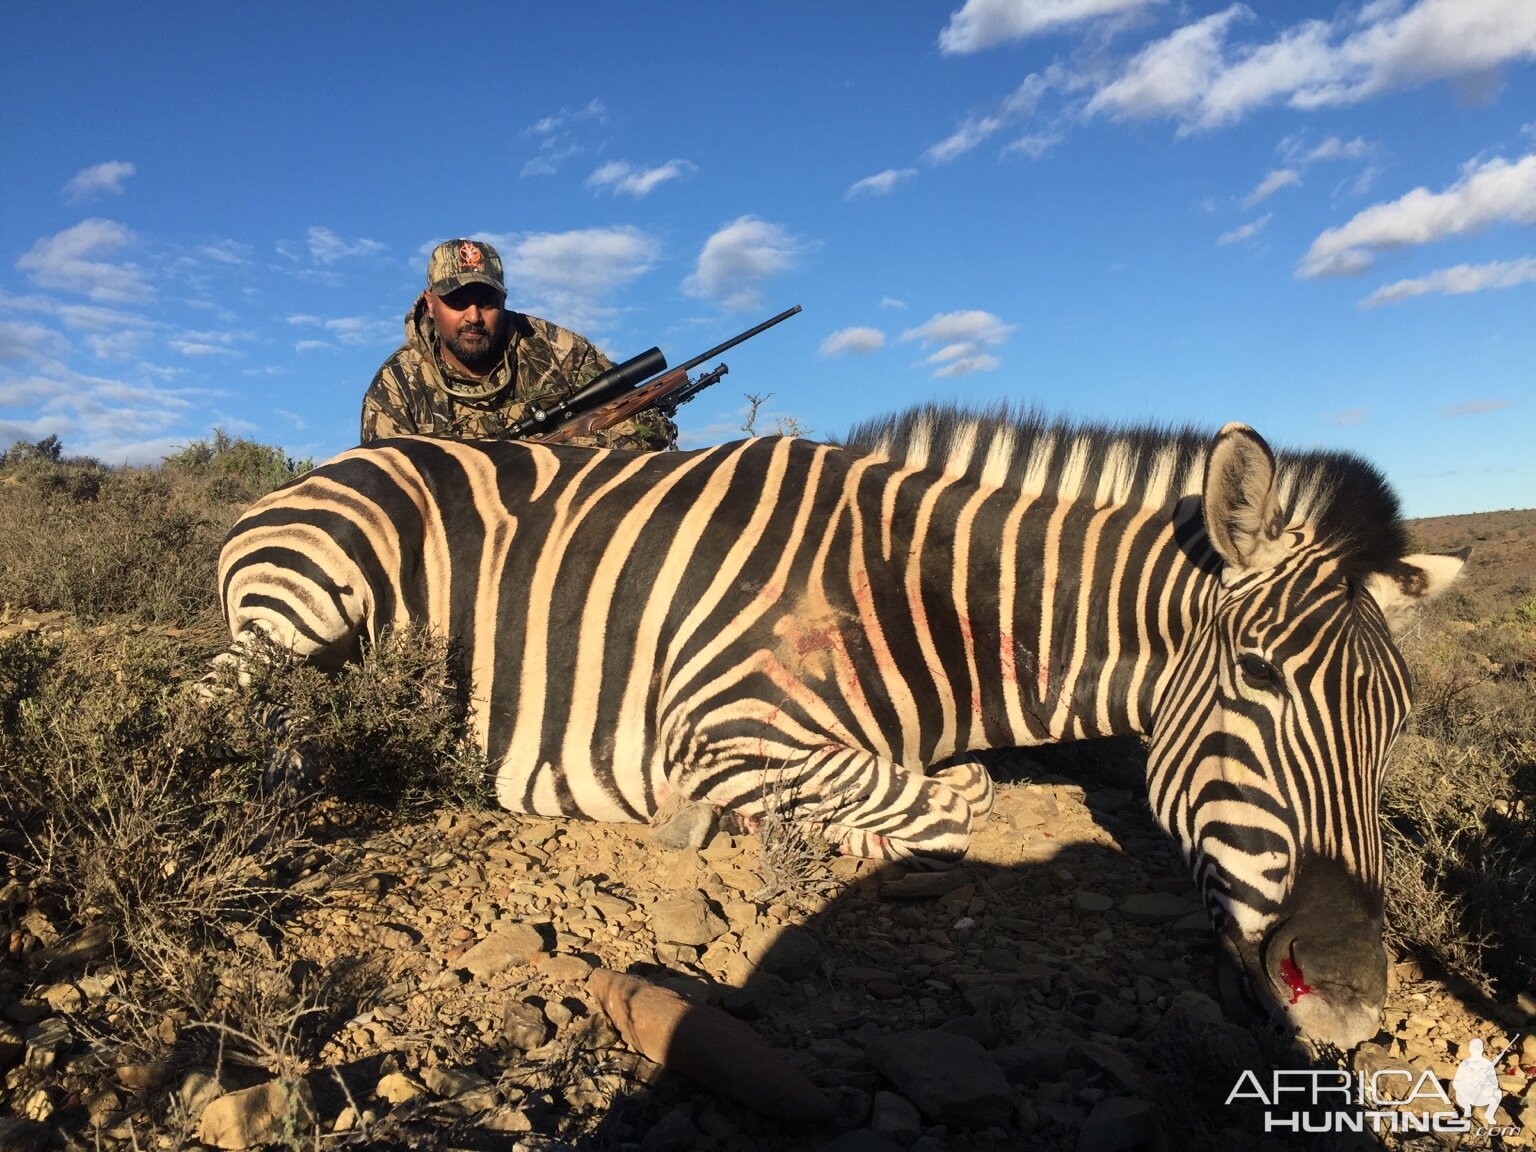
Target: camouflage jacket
x,y
416,393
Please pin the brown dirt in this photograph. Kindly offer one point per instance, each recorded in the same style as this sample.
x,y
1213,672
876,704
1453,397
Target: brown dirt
x,y
1501,571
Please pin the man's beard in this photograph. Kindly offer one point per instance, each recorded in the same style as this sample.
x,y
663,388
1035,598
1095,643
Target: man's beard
x,y
479,356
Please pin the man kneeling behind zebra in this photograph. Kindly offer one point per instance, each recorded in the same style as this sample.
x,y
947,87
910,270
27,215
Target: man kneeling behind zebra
x,y
842,624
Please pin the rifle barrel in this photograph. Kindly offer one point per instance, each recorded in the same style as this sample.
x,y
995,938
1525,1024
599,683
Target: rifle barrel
x,y
735,340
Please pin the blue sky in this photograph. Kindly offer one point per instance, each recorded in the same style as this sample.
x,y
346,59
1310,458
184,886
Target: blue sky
x,y
1314,218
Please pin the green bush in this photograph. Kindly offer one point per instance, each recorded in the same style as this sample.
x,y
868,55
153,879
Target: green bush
x,y
49,450
237,470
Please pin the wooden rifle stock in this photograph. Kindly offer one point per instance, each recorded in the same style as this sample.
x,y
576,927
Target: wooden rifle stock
x,y
617,411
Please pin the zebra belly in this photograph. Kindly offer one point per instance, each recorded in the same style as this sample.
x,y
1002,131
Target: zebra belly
x,y
613,776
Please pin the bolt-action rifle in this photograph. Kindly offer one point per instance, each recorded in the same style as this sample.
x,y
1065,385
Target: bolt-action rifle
x,y
639,383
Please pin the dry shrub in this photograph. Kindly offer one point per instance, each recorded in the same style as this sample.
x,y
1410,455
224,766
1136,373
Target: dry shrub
x,y
148,820
130,822
793,861
235,470
152,812
391,731
135,542
1460,803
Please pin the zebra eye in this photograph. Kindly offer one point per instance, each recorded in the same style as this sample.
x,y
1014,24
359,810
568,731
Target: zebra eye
x,y
1259,672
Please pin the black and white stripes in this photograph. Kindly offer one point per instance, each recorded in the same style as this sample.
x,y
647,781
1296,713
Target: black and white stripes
x,y
836,627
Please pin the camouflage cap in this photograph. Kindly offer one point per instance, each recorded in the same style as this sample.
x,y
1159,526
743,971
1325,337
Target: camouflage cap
x,y
455,263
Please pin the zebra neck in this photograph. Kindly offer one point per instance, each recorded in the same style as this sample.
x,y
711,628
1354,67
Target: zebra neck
x,y
1101,597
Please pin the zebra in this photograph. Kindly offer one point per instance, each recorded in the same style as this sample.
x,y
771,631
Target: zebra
x,y
834,630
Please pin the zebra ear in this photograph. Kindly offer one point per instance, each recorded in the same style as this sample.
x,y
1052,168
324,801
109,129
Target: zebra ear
x,y
1411,583
1243,517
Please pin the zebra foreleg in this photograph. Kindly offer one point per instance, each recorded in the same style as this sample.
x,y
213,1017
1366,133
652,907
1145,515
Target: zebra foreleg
x,y
971,779
874,808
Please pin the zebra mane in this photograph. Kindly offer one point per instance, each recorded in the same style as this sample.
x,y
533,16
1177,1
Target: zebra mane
x,y
1345,499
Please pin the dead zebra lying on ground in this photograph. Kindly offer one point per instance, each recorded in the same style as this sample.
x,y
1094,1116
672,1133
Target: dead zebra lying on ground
x,y
845,623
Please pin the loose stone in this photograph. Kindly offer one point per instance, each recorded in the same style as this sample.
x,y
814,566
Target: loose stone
x,y
950,1078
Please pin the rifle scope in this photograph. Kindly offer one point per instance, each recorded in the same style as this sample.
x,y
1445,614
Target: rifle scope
x,y
615,382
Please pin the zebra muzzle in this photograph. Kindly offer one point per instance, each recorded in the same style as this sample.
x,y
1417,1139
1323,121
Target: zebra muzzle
x,y
1324,971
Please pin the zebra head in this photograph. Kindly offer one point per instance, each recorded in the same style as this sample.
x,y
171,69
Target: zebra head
x,y
1272,735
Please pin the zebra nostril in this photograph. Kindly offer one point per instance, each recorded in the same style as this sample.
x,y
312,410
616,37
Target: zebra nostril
x,y
1292,976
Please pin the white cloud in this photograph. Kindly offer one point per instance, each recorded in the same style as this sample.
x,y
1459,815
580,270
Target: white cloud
x,y
325,247
736,260
81,317
962,337
983,23
880,184
973,326
363,330
567,276
72,261
858,341
1034,145
1276,180
200,348
93,415
1487,193
1171,76
1349,417
1195,76
549,125
28,390
1473,407
1245,232
971,133
224,252
620,176
214,342
1330,149
1432,40
351,330
1018,105
554,134
548,163
966,364
892,302
109,333
97,179
1461,280
589,261
29,341
116,345
959,350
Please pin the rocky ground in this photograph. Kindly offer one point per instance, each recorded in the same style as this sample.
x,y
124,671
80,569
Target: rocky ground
x,y
1053,992
443,985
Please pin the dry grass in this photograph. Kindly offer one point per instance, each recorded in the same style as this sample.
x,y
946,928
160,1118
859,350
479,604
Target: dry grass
x,y
141,544
145,807
141,822
793,860
1460,800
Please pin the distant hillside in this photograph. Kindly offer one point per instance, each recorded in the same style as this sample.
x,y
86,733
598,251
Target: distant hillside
x,y
1502,571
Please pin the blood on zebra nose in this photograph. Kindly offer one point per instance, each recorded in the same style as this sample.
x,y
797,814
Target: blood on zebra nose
x,y
1322,964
